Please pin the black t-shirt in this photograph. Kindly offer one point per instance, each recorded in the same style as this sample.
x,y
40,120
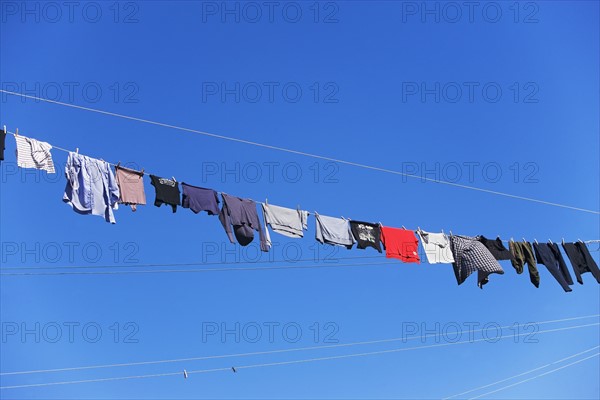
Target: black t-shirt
x,y
366,234
2,141
167,192
496,247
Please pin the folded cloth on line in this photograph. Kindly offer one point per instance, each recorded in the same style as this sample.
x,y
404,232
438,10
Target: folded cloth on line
x,y
581,260
32,153
496,247
400,243
242,215
333,231
131,187
200,199
91,187
166,192
471,255
523,253
2,144
437,247
367,234
554,263
285,221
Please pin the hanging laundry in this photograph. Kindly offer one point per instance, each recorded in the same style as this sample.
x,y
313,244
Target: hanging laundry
x,y
333,231
471,255
401,244
496,247
437,247
523,253
91,187
285,221
2,144
131,187
581,260
167,192
367,234
200,199
561,262
554,263
32,153
242,214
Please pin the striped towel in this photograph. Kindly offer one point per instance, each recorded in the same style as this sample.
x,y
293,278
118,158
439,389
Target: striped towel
x,y
32,153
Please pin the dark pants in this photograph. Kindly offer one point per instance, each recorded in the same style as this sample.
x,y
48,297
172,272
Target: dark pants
x,y
555,264
581,260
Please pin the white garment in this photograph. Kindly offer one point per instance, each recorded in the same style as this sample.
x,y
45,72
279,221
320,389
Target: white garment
x,y
285,221
32,153
437,247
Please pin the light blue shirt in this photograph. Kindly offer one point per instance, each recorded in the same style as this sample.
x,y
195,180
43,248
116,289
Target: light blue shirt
x,y
91,187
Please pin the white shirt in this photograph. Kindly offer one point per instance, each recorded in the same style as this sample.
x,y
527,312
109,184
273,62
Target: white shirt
x,y
437,247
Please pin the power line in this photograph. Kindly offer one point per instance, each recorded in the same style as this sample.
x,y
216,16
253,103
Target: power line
x,y
190,264
280,363
301,153
162,271
379,341
130,269
194,264
537,376
522,373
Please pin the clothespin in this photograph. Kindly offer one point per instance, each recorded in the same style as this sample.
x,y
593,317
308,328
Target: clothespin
x,y
418,229
580,240
5,129
77,150
185,374
451,233
550,241
403,227
118,164
142,171
535,240
524,240
563,240
266,201
233,369
17,132
174,179
512,240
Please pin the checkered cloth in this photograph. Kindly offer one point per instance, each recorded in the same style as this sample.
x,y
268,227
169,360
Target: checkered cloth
x,y
471,255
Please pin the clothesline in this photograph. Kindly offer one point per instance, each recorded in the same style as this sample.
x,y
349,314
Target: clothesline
x,y
143,172
146,173
296,152
467,254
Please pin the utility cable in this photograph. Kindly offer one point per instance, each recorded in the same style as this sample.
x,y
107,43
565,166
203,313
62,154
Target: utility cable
x,y
522,373
353,355
301,153
379,341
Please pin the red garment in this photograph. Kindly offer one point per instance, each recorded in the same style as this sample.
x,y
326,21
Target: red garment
x,y
400,243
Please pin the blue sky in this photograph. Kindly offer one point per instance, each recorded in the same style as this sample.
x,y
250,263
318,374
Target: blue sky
x,y
506,102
